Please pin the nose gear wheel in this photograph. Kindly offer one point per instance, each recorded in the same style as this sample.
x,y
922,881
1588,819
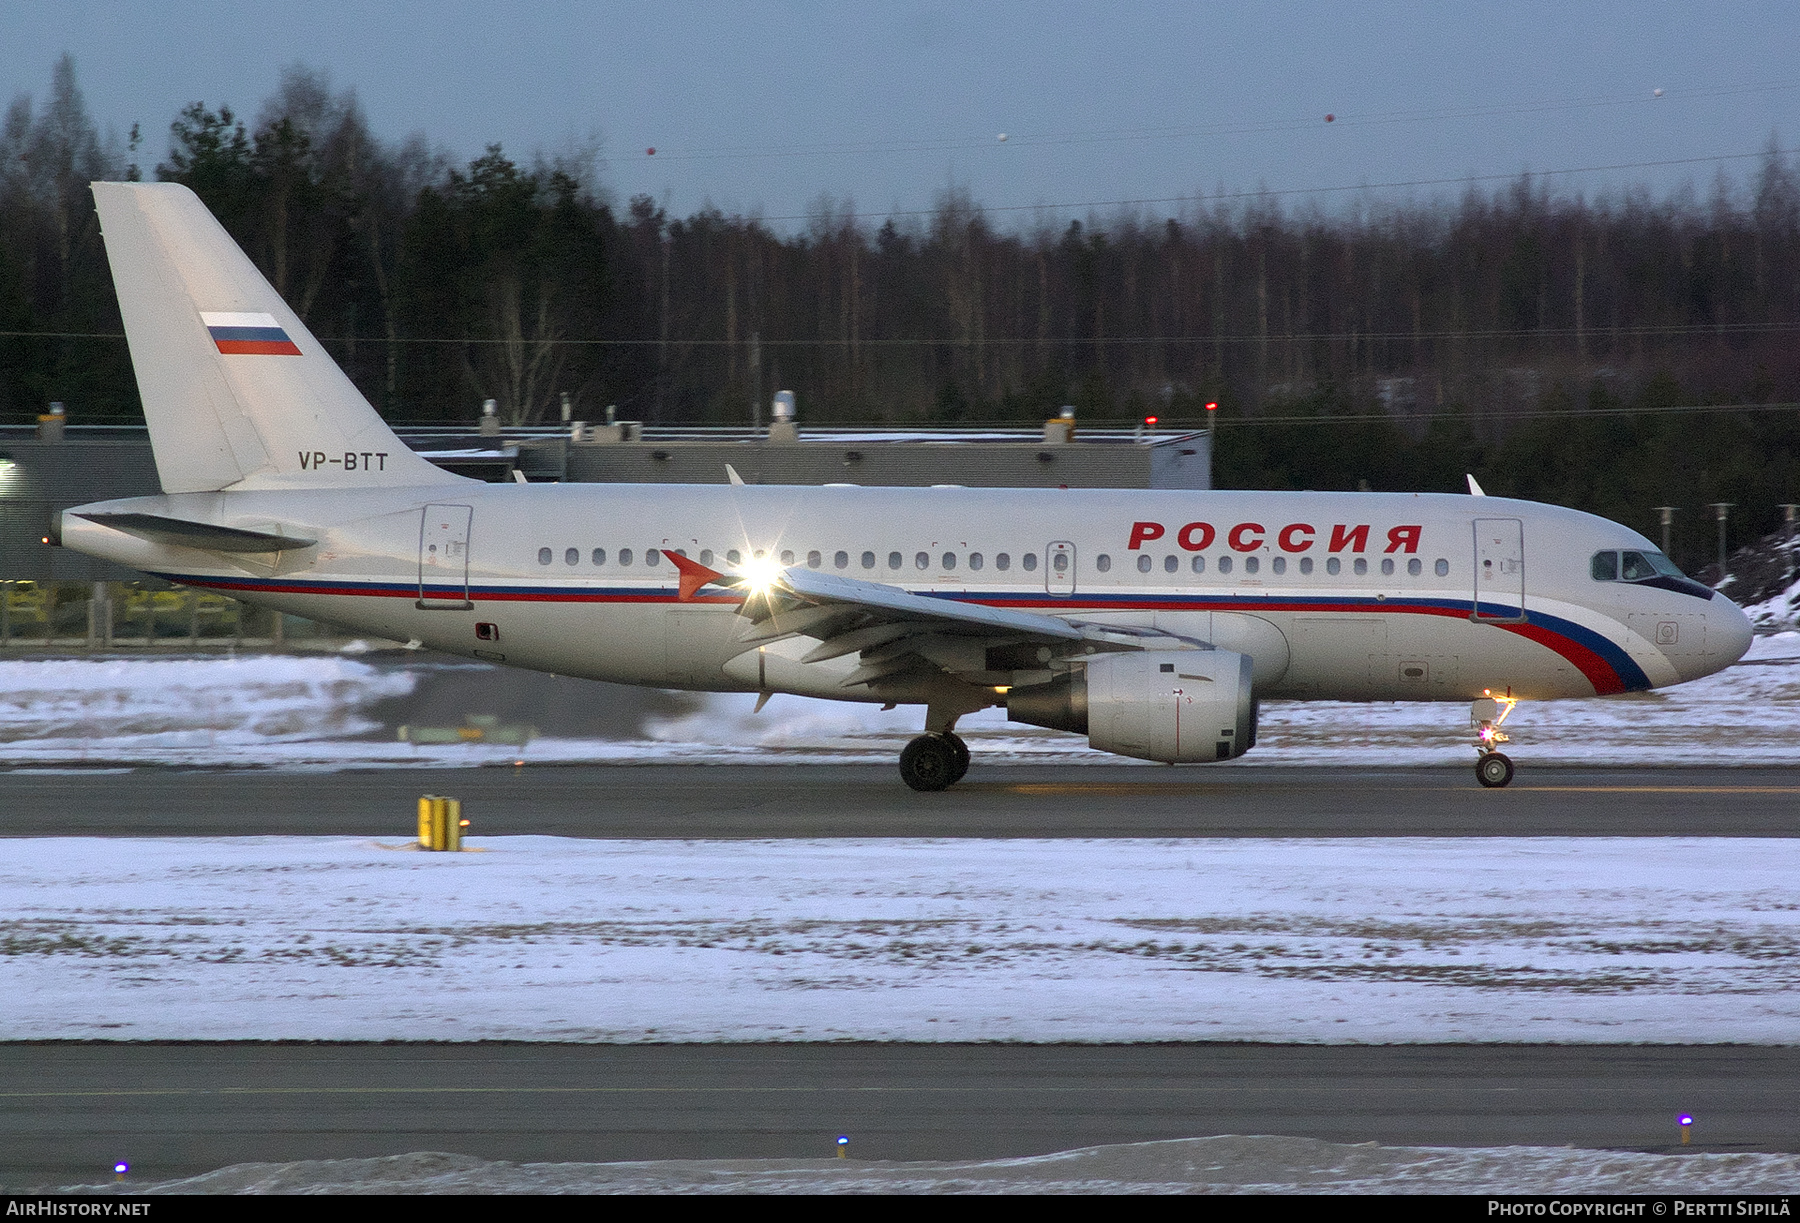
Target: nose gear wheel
x,y
1493,770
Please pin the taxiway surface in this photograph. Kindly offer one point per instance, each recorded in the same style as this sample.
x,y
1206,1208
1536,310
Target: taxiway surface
x,y
675,800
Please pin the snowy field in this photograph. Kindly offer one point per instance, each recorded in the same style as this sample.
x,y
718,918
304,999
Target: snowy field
x,y
1225,1164
311,712
546,938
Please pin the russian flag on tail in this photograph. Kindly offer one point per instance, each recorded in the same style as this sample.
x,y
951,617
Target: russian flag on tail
x,y
257,334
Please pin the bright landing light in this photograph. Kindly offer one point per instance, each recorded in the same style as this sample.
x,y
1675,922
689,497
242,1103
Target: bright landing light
x,y
761,574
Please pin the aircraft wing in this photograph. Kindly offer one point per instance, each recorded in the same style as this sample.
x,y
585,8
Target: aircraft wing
x,y
895,630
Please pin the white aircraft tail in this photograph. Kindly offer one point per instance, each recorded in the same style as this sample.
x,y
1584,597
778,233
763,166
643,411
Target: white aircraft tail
x,y
237,392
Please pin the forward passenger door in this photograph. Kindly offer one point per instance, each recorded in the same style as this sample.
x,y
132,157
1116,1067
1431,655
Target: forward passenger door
x,y
1499,570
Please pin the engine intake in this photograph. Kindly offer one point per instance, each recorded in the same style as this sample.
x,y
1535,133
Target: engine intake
x,y
1176,706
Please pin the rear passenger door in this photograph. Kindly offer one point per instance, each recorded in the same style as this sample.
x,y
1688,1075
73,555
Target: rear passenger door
x,y
444,557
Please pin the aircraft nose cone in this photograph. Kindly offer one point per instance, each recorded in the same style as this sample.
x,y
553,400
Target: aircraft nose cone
x,y
1728,630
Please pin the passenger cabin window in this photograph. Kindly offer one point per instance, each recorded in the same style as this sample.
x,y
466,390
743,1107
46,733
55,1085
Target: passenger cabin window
x,y
706,557
1334,566
1252,564
733,558
814,560
1029,562
975,560
624,556
651,556
1306,564
922,560
1415,566
1103,562
543,556
1224,564
1171,563
1442,568
787,557
893,560
1003,562
1279,564
1361,566
949,560
842,561
599,557
1060,562
1144,562
1387,565
1199,564
868,560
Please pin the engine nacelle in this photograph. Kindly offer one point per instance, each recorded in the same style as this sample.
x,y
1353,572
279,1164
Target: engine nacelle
x,y
1176,706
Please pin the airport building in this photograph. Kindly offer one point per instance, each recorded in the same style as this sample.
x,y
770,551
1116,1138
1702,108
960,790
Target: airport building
x,y
59,599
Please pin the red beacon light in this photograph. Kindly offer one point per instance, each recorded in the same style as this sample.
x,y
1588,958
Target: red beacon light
x,y
1149,420
1212,407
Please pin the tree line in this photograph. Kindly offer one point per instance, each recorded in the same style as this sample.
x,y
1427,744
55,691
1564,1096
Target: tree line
x,y
1552,343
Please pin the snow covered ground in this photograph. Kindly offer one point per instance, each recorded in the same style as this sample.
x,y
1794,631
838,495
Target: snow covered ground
x,y
1225,1164
545,938
310,712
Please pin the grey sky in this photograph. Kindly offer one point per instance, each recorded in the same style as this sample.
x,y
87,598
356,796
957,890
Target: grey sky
x,y
765,107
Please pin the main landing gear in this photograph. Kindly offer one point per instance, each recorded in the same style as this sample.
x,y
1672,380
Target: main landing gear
x,y
934,762
1493,768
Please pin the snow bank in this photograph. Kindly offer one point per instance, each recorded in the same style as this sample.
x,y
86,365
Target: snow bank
x,y
1225,1164
321,713
544,938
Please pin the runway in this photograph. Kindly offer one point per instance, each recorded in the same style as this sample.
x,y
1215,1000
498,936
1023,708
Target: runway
x,y
869,801
67,1112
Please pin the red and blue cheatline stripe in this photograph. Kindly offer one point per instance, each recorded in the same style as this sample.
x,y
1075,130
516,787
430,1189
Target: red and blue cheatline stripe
x,y
1601,660
246,334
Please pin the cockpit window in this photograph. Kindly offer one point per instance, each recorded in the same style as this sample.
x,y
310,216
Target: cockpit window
x,y
1633,567
1636,566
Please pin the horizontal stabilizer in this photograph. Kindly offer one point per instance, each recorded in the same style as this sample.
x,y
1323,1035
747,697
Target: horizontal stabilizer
x,y
183,533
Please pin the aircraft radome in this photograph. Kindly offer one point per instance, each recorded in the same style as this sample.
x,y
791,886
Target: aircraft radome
x,y
1152,622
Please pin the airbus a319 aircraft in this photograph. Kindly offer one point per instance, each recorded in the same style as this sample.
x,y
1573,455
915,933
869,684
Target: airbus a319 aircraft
x,y
1151,622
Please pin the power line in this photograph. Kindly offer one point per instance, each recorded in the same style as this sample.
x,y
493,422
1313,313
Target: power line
x,y
1596,335
1268,193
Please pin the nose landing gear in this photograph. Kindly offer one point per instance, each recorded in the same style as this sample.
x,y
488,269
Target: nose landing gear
x,y
1493,768
934,762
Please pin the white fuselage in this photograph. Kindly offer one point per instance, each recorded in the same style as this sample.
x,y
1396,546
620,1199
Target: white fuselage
x,y
1337,596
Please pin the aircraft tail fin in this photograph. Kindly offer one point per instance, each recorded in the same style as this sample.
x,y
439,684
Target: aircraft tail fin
x,y
237,392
